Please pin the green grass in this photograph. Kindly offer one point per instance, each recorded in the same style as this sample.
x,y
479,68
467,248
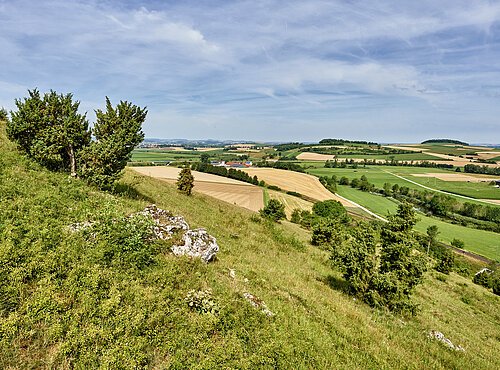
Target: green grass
x,y
151,155
62,307
378,175
483,242
265,194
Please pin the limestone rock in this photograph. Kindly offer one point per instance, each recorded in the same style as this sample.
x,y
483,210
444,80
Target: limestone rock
x,y
258,303
197,243
434,334
166,223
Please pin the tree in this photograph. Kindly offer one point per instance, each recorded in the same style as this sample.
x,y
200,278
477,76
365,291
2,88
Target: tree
x,y
275,210
387,189
432,233
185,182
446,261
344,181
205,158
330,209
295,217
4,115
49,129
117,132
457,243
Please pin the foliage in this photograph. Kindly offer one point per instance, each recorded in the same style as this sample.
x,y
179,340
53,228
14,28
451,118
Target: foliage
x,y
117,131
386,279
274,210
483,278
330,209
49,129
185,182
295,216
223,171
444,141
495,282
202,302
474,168
446,261
458,243
4,115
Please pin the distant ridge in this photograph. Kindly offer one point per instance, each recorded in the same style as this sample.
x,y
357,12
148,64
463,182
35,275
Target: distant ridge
x,y
446,141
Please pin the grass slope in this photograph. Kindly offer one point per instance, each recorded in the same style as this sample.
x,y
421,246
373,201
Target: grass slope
x,y
61,307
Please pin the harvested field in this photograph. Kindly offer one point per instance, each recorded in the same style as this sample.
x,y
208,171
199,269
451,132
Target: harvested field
x,y
228,190
302,183
306,156
412,148
207,149
291,202
455,177
171,173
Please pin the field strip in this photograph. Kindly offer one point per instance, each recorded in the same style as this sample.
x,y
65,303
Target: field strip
x,y
228,190
363,208
442,192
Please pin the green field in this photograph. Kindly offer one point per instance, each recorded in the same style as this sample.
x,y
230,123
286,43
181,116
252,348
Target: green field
x,y
378,175
452,149
151,155
482,242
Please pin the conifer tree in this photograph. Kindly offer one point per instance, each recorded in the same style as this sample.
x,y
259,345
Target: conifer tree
x,y
185,182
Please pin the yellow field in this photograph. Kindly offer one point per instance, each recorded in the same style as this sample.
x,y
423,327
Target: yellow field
x,y
455,177
302,183
291,202
228,190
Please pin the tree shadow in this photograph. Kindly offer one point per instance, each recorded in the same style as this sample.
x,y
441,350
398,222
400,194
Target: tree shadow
x,y
128,191
336,283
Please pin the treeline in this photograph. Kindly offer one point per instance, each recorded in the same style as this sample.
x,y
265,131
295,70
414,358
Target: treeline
x,y
483,217
444,141
288,146
231,173
342,142
485,170
281,165
361,150
388,162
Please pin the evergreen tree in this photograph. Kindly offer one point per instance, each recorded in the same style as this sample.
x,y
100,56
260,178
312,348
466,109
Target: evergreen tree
x,y
275,210
185,182
49,129
117,132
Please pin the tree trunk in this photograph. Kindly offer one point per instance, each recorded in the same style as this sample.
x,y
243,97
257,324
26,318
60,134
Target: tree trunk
x,y
72,160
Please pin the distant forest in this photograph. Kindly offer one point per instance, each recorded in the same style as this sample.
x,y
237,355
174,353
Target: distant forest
x,y
444,141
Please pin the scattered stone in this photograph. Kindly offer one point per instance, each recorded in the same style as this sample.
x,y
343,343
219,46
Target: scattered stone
x,y
79,226
434,334
232,273
258,303
197,243
166,223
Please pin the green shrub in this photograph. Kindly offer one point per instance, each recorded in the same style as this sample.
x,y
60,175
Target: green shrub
x,y
275,210
446,261
185,182
457,243
330,209
483,279
296,217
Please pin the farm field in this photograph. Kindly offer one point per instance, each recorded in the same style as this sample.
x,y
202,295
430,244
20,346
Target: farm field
x,y
228,190
378,175
151,155
302,183
479,241
291,202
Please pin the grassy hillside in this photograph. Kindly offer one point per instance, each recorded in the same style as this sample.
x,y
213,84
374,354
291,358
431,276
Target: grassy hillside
x,y
64,302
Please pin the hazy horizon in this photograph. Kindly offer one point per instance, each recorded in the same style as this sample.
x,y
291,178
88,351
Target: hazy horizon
x,y
267,70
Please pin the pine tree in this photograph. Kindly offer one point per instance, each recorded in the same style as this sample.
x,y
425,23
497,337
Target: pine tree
x,y
185,182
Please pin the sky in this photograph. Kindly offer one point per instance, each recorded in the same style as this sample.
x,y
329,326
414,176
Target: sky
x,y
387,71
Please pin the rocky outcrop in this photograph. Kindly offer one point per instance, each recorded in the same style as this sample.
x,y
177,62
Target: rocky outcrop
x,y
434,334
258,304
197,243
166,223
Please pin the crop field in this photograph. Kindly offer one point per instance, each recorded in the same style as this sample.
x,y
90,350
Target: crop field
x,y
294,181
228,190
291,202
151,155
378,175
482,242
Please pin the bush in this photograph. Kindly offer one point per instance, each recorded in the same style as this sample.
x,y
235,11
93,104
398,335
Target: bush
x,y
202,302
446,261
483,278
330,209
457,243
344,181
275,210
296,217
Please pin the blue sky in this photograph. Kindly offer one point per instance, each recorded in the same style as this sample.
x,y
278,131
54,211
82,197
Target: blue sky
x,y
391,71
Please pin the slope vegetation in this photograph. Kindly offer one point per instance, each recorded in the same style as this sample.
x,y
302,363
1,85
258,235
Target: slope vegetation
x,y
66,302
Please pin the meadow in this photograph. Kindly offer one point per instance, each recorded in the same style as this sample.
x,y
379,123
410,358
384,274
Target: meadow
x,y
62,306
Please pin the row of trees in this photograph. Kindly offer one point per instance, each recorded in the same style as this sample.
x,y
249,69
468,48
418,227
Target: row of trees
x,y
223,171
391,161
52,132
474,168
